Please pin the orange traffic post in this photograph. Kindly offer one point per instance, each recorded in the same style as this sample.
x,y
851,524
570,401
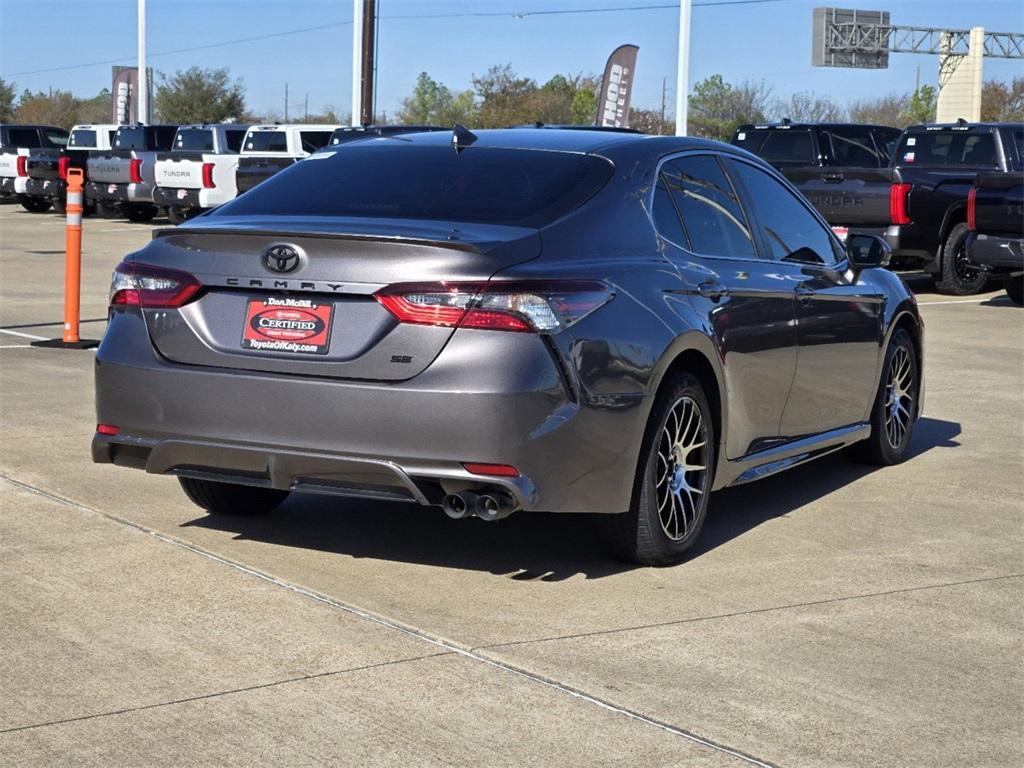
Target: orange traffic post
x,y
73,256
72,267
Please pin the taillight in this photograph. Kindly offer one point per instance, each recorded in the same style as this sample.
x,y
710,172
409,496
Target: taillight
x,y
208,176
143,285
107,429
22,165
972,213
135,171
898,194
62,167
530,306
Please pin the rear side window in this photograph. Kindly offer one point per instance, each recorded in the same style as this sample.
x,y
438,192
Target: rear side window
x,y
854,147
886,140
82,139
56,137
394,180
234,137
24,137
314,140
266,141
163,136
793,233
778,146
1017,137
948,149
195,139
706,204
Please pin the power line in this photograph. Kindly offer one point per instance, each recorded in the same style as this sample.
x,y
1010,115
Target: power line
x,y
468,14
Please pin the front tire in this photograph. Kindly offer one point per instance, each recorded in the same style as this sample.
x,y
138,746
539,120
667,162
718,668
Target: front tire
x,y
230,499
1015,289
673,480
895,407
957,276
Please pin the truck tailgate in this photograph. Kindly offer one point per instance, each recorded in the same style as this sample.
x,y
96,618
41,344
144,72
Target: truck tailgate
x,y
849,197
183,169
113,166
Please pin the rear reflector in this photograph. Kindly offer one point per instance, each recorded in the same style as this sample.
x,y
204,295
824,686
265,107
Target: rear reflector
x,y
208,176
143,285
530,306
972,211
898,194
107,429
494,470
62,167
22,165
135,171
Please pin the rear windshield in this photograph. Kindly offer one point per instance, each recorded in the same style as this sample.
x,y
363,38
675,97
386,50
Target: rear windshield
x,y
391,180
963,149
267,141
82,138
200,139
145,137
779,146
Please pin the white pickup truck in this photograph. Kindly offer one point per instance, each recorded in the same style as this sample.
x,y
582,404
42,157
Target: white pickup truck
x,y
199,171
123,179
17,142
268,149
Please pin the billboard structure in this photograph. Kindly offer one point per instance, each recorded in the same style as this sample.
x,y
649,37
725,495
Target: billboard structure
x,y
617,88
124,96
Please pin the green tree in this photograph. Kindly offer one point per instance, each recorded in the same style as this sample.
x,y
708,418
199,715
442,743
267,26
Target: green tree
x,y
717,108
432,103
95,110
505,98
806,106
59,108
881,110
921,106
6,101
199,95
1002,102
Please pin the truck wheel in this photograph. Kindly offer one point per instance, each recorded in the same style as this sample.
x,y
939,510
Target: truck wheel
x,y
957,277
230,499
1015,289
673,482
895,407
140,212
59,206
178,215
107,210
34,204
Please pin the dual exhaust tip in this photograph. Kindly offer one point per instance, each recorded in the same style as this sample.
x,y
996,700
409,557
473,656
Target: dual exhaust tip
x,y
490,506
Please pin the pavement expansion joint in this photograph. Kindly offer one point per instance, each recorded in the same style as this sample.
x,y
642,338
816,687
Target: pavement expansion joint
x,y
229,692
753,611
447,647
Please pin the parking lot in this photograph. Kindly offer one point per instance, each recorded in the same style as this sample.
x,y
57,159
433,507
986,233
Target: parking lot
x,y
834,615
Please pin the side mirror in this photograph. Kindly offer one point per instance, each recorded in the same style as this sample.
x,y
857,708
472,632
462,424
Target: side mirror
x,y
867,251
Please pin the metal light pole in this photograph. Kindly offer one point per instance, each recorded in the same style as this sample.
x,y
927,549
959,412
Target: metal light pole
x,y
357,61
683,68
143,79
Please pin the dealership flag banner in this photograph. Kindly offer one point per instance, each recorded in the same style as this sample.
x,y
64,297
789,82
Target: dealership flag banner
x,y
616,88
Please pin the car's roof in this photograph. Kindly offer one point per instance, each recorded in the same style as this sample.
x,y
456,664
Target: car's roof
x,y
94,126
302,126
961,126
214,125
564,140
30,125
783,125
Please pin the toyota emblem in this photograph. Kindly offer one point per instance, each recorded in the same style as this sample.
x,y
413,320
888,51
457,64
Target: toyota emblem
x,y
281,258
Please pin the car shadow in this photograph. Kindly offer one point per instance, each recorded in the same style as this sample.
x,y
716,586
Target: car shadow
x,y
534,546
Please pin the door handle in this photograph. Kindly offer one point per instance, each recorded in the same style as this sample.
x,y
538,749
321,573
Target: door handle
x,y
712,289
804,293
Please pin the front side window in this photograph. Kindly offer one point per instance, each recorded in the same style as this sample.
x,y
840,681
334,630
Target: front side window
x,y
234,137
793,233
708,208
314,140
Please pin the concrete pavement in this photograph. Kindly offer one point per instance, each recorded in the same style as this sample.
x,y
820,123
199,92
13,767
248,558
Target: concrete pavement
x,y
833,615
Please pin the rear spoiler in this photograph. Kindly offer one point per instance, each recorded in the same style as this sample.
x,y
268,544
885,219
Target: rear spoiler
x,y
284,233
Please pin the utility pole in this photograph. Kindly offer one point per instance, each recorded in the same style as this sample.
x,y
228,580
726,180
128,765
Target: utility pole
x,y
286,102
143,81
357,61
307,107
683,67
369,51
664,86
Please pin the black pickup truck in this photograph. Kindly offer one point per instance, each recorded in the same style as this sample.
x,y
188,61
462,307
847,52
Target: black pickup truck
x,y
48,168
841,168
17,144
995,218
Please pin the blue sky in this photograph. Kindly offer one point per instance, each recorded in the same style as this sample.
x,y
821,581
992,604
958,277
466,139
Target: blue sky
x,y
769,41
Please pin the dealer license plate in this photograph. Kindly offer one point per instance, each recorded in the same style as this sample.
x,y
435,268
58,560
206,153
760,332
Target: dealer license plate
x,y
287,325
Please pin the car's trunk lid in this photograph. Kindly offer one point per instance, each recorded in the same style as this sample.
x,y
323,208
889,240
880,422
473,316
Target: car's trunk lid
x,y
342,264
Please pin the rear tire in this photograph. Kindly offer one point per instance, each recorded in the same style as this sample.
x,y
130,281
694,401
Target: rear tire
x,y
673,480
957,277
107,210
230,499
59,206
140,212
1015,289
895,408
34,204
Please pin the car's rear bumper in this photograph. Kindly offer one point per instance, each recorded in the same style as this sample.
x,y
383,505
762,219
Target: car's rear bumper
x,y
490,397
1003,254
45,187
909,242
105,192
177,197
12,185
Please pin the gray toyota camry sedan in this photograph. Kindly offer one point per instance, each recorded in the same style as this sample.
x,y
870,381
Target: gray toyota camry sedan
x,y
522,319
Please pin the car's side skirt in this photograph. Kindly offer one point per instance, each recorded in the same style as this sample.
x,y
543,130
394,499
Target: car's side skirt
x,y
768,461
